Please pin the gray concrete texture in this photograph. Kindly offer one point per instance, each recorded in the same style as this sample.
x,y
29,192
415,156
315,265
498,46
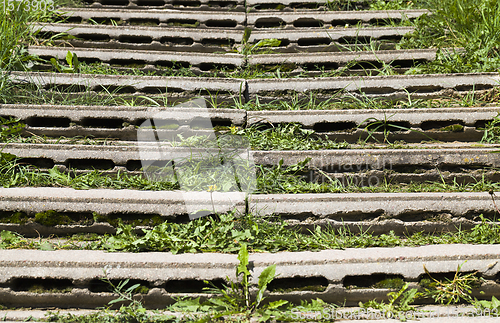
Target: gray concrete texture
x,y
294,36
267,89
158,269
348,167
107,201
184,116
205,18
135,37
374,85
125,57
132,56
340,125
353,206
201,5
360,117
403,213
114,122
330,160
251,3
205,40
386,56
427,313
418,124
327,18
175,86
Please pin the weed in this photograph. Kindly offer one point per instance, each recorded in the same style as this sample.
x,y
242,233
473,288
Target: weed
x,y
71,59
393,5
12,240
451,291
493,305
492,131
10,128
236,297
290,136
398,302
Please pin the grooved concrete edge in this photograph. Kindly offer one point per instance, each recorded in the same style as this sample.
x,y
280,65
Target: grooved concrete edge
x,y
369,84
440,313
372,84
160,14
171,203
148,56
391,205
334,265
138,82
108,201
153,32
341,57
365,16
350,119
199,34
76,113
330,159
308,118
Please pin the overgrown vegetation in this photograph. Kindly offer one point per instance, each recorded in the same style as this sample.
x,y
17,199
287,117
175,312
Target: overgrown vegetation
x,y
472,25
234,303
228,232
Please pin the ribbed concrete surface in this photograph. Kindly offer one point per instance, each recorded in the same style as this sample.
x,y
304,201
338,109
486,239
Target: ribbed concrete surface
x,y
133,56
161,15
426,85
340,125
328,18
362,117
330,160
158,38
138,83
108,201
331,267
403,213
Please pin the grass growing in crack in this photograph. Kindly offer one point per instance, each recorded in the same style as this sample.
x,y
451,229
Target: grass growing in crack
x,y
231,303
276,179
374,125
289,136
227,232
451,291
398,302
491,133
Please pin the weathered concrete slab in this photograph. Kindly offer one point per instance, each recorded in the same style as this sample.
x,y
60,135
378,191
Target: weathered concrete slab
x,y
205,19
201,5
107,201
371,86
331,40
350,206
360,117
386,56
156,270
142,38
417,124
217,89
340,160
134,56
379,159
326,18
403,213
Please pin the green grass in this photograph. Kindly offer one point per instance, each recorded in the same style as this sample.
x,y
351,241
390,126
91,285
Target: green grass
x,y
227,232
472,25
